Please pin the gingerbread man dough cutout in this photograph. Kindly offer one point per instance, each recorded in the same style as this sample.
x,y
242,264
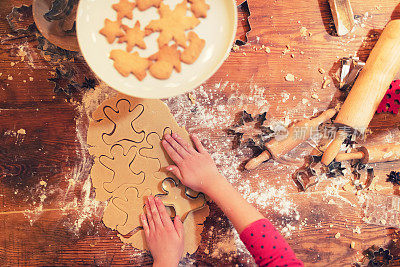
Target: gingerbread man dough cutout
x,y
120,164
124,175
186,204
123,117
133,206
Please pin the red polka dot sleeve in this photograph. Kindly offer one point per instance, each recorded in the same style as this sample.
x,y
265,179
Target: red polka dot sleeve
x,y
267,246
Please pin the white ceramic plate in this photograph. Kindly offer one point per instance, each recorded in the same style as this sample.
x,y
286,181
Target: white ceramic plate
x,y
218,29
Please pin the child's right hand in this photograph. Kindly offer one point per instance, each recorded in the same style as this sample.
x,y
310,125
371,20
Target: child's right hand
x,y
194,167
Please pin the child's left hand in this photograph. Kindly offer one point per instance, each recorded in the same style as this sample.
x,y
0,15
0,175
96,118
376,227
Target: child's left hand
x,y
164,237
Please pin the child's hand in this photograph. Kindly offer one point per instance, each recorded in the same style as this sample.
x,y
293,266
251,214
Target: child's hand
x,y
164,237
194,167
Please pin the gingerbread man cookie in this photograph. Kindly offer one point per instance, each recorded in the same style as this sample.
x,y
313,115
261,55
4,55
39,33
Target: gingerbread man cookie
x,y
126,63
199,8
142,5
172,24
133,37
193,51
124,9
167,58
112,30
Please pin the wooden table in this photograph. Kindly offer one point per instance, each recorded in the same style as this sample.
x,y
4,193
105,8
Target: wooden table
x,y
47,215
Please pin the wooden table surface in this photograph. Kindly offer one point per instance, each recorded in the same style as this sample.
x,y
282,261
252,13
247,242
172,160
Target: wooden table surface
x,y
42,135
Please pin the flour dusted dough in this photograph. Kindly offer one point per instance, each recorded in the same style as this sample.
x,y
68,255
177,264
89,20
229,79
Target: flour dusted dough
x,y
124,137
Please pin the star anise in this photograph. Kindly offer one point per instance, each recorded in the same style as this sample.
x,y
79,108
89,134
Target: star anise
x,y
335,169
89,83
393,177
349,141
63,82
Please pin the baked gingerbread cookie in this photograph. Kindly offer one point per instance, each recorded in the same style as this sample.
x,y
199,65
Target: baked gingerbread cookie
x,y
142,5
133,37
126,63
124,9
112,30
193,51
161,70
199,8
172,24
167,59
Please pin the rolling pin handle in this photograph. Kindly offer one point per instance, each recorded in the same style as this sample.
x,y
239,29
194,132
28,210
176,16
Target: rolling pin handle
x,y
349,156
334,147
326,115
364,151
254,162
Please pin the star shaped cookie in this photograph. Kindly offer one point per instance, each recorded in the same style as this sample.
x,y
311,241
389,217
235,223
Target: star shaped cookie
x,y
172,24
112,30
126,63
133,37
124,9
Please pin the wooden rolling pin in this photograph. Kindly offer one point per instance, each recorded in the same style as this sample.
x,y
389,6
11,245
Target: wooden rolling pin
x,y
372,154
370,87
275,149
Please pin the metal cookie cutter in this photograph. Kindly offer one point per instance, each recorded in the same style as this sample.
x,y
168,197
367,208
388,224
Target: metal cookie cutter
x,y
351,67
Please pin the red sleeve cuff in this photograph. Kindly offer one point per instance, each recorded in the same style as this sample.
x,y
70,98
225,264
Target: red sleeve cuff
x,y
267,246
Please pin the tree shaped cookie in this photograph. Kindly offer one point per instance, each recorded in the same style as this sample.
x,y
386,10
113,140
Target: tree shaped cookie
x,y
192,52
142,5
172,24
124,9
175,196
167,59
133,37
126,63
112,30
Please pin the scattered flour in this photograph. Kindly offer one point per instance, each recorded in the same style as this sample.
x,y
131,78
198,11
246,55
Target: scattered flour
x,y
212,113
